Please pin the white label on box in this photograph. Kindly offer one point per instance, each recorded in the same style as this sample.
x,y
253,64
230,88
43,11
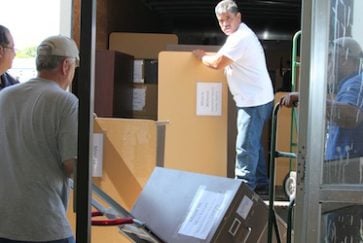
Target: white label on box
x,y
209,99
138,71
205,209
245,207
97,157
139,99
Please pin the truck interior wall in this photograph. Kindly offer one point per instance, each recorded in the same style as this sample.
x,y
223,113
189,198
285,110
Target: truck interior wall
x,y
117,16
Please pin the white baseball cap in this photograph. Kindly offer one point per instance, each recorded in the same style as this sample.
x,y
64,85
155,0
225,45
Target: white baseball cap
x,y
58,46
350,45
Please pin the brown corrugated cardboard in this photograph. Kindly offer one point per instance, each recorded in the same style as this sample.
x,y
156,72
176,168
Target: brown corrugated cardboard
x,y
135,43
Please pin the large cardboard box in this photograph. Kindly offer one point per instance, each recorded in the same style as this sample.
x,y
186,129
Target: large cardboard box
x,y
194,99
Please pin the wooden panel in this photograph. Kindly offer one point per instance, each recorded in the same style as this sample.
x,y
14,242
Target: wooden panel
x,y
113,84
193,143
141,45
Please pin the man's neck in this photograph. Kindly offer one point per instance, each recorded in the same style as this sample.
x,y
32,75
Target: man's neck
x,y
53,78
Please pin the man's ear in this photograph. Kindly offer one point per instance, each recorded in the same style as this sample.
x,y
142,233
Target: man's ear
x,y
239,15
63,66
66,65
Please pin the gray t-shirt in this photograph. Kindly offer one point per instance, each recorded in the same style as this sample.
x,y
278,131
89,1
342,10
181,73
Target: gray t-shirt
x,y
38,131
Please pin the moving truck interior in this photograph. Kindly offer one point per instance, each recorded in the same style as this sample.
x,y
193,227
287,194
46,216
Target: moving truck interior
x,y
155,38
157,127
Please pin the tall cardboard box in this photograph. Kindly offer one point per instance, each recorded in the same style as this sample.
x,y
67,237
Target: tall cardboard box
x,y
193,98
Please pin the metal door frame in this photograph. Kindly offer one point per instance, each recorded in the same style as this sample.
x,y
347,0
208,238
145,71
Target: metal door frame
x,y
310,192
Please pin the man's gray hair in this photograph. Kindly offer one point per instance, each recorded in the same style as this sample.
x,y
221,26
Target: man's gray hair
x,y
226,6
48,62
3,38
350,46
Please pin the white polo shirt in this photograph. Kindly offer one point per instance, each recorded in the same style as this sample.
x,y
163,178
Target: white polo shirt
x,y
248,78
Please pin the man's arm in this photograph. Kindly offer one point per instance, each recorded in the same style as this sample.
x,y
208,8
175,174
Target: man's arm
x,y
68,167
215,61
290,100
344,115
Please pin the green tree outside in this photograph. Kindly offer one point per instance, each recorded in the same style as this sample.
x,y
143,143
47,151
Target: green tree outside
x,y
28,52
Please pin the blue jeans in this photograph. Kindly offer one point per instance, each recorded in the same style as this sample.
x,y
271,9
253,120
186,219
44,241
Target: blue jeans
x,y
67,240
250,156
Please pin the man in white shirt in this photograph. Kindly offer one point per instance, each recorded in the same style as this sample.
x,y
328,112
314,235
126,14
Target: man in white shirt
x,y
243,59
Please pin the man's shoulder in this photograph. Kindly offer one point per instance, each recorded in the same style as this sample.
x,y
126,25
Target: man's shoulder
x,y
7,80
242,34
352,81
64,95
245,29
51,92
10,79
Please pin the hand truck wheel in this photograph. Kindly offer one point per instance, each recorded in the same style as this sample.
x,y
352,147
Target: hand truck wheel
x,y
290,185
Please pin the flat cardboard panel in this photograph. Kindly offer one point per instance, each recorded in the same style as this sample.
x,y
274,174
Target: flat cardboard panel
x,y
193,143
141,45
129,157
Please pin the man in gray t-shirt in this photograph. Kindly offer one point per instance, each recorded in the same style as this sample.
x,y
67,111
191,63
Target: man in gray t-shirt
x,y
38,147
